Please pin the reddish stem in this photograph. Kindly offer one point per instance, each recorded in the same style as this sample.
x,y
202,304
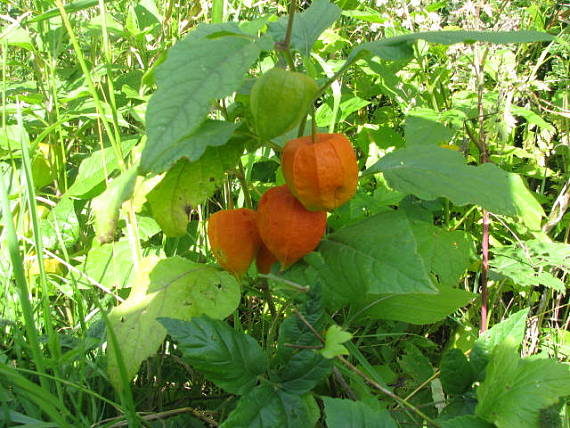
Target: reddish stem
x,y
484,271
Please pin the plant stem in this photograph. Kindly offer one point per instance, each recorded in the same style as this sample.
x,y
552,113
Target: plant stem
x,y
283,46
20,279
268,297
243,183
478,63
297,287
385,391
292,9
366,378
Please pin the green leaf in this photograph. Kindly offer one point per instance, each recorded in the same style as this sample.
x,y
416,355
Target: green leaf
x,y
174,288
424,128
42,173
528,208
307,25
110,265
415,364
20,37
467,421
530,265
61,222
188,184
334,338
515,390
94,169
341,413
446,254
513,327
230,359
196,72
400,47
12,137
106,206
268,407
211,134
348,106
302,372
147,14
456,373
73,7
294,330
417,308
376,255
432,172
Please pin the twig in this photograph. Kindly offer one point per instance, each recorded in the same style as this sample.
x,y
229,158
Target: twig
x,y
559,208
292,345
268,297
366,378
77,271
297,287
345,386
165,415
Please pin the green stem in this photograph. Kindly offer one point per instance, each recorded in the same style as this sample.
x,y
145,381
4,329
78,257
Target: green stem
x,y
53,343
218,11
244,186
21,283
91,85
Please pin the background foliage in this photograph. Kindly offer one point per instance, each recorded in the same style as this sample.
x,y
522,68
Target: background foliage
x,y
126,124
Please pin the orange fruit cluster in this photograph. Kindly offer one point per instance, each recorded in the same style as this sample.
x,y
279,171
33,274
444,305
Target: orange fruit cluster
x,y
320,170
321,174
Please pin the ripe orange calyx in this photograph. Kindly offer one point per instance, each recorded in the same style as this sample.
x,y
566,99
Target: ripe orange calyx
x,y
264,259
287,229
234,239
322,174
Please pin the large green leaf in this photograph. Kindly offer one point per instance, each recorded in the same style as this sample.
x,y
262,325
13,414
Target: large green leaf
x,y
447,254
173,288
94,169
341,413
513,327
529,266
110,264
209,135
376,255
424,127
400,47
230,359
456,372
529,210
515,390
188,184
197,71
432,172
266,406
307,25
417,308
106,206
302,372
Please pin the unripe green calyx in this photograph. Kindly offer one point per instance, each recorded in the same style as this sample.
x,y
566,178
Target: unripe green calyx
x,y
279,101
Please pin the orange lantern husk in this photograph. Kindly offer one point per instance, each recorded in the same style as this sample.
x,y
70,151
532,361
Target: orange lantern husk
x,y
234,239
288,229
323,173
